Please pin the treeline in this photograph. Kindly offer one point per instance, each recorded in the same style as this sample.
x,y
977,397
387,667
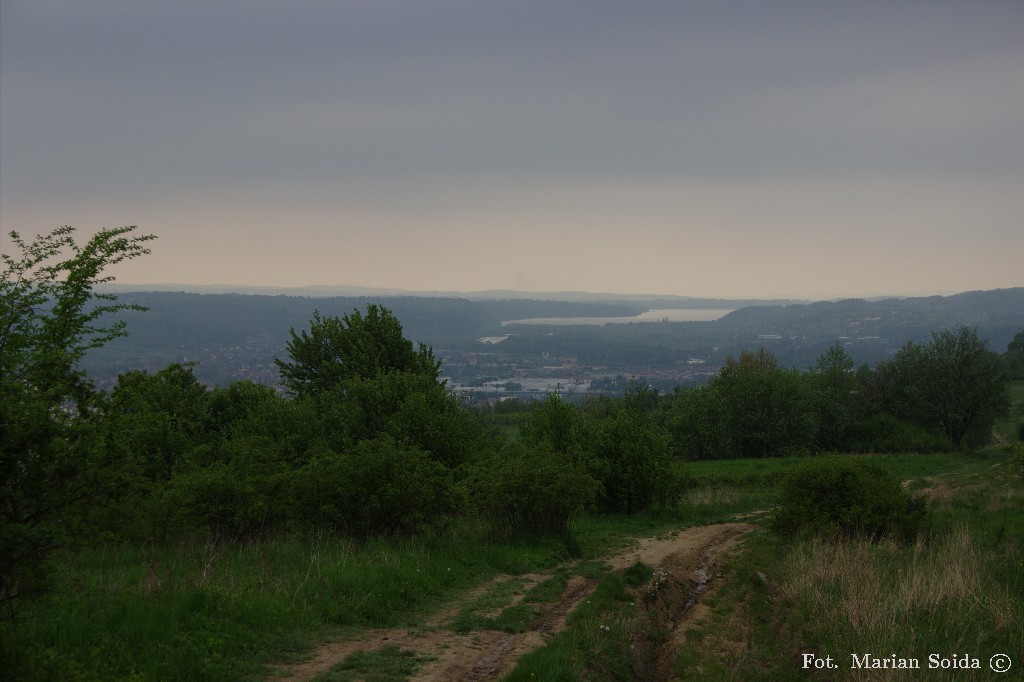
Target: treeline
x,y
928,397
368,441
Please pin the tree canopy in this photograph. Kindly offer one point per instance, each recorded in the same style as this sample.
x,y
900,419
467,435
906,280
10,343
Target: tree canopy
x,y
354,346
953,384
50,462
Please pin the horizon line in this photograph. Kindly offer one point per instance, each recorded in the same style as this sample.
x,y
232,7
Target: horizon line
x,y
344,290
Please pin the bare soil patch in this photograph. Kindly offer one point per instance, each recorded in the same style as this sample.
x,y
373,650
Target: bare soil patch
x,y
693,574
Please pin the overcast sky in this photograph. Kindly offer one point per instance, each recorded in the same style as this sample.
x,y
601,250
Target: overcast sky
x,y
719,148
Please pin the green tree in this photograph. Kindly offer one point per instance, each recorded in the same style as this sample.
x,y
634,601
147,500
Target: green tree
x,y
238,476
767,407
367,381
51,467
953,385
355,346
627,451
697,420
554,422
241,402
833,385
153,420
413,408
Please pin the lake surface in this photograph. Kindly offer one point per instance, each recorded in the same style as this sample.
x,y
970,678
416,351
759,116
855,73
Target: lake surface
x,y
658,315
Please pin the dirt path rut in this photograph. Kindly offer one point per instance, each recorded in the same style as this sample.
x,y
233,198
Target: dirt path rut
x,y
686,557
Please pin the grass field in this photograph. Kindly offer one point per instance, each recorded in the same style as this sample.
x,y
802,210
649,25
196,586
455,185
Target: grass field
x,y
960,590
221,610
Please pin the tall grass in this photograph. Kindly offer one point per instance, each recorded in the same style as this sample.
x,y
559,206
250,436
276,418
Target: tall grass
x,y
885,597
959,590
220,609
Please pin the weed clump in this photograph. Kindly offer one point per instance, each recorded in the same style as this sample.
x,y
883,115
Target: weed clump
x,y
638,574
841,496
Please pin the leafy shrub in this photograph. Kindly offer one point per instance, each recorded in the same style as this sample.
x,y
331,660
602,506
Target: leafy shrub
x,y
554,422
768,410
842,496
638,574
379,487
238,486
527,489
628,453
213,499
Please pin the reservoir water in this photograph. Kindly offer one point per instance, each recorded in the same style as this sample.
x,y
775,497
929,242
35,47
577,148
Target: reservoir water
x,y
657,315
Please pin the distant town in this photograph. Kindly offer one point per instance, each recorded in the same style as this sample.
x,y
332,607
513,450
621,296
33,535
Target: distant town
x,y
496,349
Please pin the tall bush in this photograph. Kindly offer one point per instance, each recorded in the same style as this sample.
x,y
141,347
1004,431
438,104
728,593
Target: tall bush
x,y
840,495
531,489
379,487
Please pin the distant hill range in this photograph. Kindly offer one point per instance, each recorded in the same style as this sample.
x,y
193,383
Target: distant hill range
x,y
228,330
999,312
357,292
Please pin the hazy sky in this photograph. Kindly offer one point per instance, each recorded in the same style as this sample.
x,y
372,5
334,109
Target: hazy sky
x,y
764,148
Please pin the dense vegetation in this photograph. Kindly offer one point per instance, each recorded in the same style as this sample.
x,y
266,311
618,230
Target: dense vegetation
x,y
845,497
367,443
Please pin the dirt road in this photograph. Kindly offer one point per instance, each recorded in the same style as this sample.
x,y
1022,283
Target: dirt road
x,y
686,558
